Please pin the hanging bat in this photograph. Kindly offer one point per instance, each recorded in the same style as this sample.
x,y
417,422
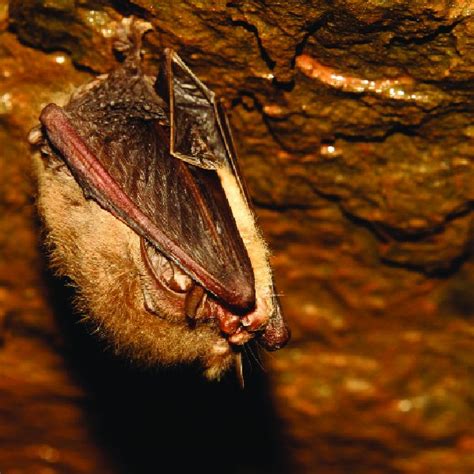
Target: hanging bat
x,y
147,212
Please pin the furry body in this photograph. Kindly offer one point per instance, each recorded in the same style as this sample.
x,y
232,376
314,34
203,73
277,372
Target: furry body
x,y
162,245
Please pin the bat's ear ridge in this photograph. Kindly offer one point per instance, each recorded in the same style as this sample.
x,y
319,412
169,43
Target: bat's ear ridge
x,y
129,35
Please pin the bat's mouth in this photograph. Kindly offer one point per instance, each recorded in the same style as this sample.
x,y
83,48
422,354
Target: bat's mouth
x,y
171,294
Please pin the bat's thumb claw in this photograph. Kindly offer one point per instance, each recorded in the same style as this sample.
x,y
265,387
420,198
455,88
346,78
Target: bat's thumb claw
x,y
35,136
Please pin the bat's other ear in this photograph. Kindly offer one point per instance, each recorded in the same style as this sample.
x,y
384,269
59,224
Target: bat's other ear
x,y
129,35
196,131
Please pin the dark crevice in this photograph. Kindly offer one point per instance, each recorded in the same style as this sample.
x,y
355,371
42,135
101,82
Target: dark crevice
x,y
414,40
440,271
397,128
253,29
259,108
452,85
310,30
286,86
266,120
397,234
127,8
386,233
247,94
409,130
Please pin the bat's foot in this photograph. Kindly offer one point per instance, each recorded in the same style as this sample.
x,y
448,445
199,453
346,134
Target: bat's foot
x,y
36,138
129,35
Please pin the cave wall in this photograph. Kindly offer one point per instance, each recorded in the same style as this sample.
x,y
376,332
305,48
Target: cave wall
x,y
354,125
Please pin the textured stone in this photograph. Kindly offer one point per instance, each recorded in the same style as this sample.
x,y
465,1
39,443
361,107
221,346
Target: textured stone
x,y
354,122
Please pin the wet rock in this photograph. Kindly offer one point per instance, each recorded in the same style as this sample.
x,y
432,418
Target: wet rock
x,y
354,124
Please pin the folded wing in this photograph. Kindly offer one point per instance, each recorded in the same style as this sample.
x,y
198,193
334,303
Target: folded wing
x,y
115,140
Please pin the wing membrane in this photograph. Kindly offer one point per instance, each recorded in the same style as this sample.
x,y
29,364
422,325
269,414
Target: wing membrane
x,y
116,145
200,132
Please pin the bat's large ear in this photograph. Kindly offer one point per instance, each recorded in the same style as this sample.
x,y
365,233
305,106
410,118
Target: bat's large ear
x,y
196,131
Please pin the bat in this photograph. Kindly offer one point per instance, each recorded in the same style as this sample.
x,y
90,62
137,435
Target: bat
x,y
147,213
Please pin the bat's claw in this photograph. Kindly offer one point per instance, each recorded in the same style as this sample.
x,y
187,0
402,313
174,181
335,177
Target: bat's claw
x,y
37,139
35,136
129,35
257,319
193,300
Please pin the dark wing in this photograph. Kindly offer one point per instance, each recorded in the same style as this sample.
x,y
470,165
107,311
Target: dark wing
x,y
200,132
115,140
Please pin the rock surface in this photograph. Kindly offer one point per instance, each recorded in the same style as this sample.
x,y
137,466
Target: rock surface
x,y
354,122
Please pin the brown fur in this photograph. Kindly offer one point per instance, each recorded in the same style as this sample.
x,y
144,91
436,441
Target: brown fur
x,y
102,257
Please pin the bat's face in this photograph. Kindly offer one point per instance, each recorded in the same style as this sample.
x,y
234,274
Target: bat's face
x,y
147,213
